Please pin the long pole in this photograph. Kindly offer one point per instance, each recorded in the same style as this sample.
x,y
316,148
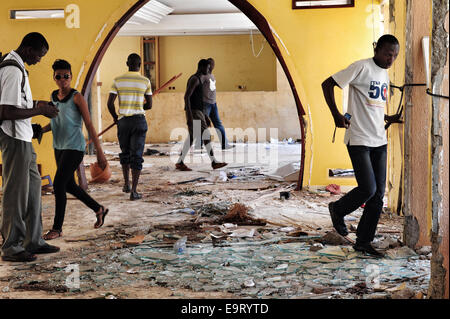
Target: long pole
x,y
154,93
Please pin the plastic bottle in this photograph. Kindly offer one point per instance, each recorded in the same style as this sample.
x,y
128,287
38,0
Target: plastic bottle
x,y
187,211
180,246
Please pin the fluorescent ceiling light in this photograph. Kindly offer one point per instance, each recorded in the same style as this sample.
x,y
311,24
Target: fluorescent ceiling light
x,y
37,14
153,12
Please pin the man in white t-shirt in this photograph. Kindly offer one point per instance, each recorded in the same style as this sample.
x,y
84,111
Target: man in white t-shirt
x,y
21,220
368,82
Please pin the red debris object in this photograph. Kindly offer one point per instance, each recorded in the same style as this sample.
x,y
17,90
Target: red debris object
x,y
333,189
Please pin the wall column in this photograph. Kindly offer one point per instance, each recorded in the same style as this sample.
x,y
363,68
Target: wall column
x,y
439,283
417,159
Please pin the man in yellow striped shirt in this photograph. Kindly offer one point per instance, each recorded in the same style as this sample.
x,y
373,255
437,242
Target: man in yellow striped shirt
x,y
135,97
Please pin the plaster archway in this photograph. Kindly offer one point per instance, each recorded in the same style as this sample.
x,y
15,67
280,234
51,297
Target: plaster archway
x,y
260,22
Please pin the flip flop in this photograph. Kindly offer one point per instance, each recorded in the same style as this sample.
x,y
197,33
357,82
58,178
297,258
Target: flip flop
x,y
101,218
52,234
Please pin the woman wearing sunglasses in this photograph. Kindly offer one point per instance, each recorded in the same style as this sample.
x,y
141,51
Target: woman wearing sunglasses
x,y
69,145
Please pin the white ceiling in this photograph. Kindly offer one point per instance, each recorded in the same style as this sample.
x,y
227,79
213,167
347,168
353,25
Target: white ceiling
x,y
188,17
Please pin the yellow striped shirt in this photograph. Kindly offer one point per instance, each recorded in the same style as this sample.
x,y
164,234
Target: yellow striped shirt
x,y
131,88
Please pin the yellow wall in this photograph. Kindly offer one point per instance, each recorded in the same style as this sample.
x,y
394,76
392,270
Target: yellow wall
x,y
113,64
77,45
318,43
273,108
235,63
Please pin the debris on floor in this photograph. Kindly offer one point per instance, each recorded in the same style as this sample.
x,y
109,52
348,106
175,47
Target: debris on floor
x,y
250,269
286,173
401,252
238,238
333,238
333,189
341,172
238,213
386,242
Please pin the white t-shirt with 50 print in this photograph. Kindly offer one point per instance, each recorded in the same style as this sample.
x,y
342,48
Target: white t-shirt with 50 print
x,y
367,99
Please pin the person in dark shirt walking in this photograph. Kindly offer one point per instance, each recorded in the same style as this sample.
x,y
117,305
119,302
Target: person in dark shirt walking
x,y
193,100
210,104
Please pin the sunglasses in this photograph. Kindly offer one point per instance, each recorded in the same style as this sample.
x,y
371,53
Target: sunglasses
x,y
66,76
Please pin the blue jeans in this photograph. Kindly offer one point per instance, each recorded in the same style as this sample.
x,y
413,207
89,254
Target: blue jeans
x,y
369,165
213,113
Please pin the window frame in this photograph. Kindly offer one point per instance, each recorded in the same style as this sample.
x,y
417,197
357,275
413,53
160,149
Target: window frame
x,y
296,7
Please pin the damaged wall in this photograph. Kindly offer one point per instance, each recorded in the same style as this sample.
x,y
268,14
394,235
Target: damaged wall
x,y
394,23
417,194
426,202
439,284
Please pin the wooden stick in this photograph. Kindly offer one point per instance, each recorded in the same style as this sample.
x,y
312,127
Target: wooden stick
x,y
154,93
167,83
106,129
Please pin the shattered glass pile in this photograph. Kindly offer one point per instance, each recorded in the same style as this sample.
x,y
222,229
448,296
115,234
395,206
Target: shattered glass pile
x,y
258,269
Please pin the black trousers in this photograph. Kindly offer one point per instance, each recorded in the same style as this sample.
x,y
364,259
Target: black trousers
x,y
369,164
131,131
67,162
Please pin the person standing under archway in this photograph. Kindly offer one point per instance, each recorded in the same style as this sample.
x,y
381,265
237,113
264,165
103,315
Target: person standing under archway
x,y
135,97
193,106
210,104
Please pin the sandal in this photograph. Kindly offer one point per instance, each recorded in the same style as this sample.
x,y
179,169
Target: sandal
x,y
101,217
52,234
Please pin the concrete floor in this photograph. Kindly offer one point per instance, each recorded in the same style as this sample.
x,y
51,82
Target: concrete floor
x,y
131,256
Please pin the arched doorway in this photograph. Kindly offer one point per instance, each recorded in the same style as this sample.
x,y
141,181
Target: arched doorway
x,y
260,22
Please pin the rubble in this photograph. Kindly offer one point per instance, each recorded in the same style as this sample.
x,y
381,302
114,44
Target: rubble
x,y
246,268
425,250
242,241
191,192
377,295
316,247
386,242
402,292
333,238
136,240
238,213
40,285
401,252
216,209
